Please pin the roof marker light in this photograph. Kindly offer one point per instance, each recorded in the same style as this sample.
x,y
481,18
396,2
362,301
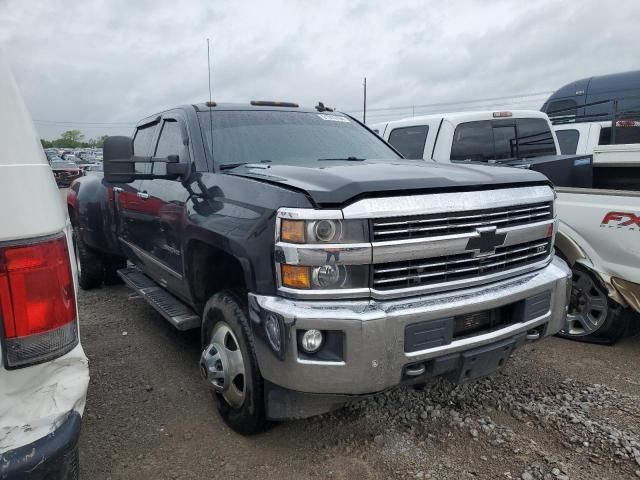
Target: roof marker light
x,y
267,103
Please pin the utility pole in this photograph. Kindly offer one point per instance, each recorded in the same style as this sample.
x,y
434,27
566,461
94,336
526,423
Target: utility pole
x,y
364,109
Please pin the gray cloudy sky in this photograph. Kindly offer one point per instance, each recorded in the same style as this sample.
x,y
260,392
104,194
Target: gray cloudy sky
x,y
100,65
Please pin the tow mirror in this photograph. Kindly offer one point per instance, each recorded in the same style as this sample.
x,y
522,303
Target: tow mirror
x,y
118,160
119,163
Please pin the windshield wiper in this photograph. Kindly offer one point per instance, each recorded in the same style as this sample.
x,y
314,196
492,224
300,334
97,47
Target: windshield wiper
x,y
347,159
229,166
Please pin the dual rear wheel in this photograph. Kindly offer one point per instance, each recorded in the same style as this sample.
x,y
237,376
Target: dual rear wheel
x,y
95,268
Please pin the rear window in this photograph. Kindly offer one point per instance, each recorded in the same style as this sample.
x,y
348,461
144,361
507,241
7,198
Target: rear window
x,y
409,141
623,135
562,108
502,139
568,141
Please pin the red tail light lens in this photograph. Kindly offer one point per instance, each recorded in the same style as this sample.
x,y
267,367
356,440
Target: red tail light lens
x,y
37,301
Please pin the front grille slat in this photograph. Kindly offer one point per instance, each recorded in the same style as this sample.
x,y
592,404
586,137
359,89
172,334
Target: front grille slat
x,y
425,226
385,269
464,217
463,225
426,272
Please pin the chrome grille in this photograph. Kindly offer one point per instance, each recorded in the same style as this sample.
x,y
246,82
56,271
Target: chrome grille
x,y
432,271
431,225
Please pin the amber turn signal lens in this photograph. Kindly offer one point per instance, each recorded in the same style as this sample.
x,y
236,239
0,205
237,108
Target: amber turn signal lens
x,y
294,276
292,231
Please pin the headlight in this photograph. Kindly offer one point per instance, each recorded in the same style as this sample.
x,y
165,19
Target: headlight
x,y
318,253
323,231
325,277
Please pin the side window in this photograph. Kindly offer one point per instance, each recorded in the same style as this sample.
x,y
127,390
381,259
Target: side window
x,y
409,141
534,138
169,143
568,140
624,134
562,108
473,141
143,145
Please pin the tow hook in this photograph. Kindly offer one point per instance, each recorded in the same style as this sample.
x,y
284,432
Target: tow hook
x,y
533,335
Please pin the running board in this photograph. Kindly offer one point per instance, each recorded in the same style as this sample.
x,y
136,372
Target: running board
x,y
178,314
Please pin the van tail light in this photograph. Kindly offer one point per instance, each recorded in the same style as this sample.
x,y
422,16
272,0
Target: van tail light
x,y
37,301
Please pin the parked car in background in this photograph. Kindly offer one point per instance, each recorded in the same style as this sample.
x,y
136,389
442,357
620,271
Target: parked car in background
x,y
584,137
96,167
65,172
318,264
43,369
483,136
594,196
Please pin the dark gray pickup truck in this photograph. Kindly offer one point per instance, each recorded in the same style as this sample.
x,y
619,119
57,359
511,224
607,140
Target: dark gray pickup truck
x,y
318,264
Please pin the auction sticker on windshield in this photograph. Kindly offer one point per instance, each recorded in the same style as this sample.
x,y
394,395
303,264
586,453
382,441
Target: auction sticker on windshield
x,y
334,118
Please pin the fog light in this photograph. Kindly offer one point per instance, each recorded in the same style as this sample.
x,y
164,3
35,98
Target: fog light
x,y
311,341
329,276
274,332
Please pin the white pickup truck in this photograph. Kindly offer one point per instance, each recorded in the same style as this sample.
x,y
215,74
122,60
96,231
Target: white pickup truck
x,y
584,137
598,201
43,370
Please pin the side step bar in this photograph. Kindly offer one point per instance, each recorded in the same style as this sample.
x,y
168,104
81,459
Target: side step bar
x,y
178,314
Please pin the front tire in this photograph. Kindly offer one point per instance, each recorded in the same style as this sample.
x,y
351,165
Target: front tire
x,y
229,365
592,316
88,263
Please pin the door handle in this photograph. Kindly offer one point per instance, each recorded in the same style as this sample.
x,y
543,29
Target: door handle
x,y
117,189
143,195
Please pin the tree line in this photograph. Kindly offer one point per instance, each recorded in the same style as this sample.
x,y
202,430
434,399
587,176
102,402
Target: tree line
x,y
73,139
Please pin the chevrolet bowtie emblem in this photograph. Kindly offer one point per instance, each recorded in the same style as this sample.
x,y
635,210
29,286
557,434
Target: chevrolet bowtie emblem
x,y
486,241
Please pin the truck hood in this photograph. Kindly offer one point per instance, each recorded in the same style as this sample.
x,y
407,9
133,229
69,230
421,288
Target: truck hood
x,y
335,183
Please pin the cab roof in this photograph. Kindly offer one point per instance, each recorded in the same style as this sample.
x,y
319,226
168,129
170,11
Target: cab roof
x,y
459,117
248,106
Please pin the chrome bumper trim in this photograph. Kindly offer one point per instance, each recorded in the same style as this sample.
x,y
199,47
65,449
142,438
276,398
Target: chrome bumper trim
x,y
374,355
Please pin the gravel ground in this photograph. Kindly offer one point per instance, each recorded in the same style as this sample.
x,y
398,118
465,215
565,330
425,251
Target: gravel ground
x,y
559,410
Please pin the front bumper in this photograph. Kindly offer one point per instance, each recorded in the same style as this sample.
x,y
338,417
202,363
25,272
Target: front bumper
x,y
373,332
52,456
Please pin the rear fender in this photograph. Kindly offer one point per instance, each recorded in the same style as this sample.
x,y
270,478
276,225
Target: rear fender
x,y
567,244
91,205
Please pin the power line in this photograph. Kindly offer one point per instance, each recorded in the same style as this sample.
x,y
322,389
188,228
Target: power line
x,y
64,122
461,102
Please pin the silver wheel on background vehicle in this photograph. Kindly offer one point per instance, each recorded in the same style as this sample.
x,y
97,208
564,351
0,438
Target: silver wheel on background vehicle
x,y
222,365
588,307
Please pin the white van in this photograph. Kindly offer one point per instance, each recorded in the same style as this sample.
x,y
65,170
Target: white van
x,y
43,369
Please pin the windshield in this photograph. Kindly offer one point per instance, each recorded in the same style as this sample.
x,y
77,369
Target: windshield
x,y
291,138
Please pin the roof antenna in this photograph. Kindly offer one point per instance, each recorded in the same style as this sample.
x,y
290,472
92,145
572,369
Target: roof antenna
x,y
210,103
321,107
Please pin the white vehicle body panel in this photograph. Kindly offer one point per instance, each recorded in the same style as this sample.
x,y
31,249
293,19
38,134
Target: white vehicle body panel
x,y
611,249
588,135
443,125
617,155
34,399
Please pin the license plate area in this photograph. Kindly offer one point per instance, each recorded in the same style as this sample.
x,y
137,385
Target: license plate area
x,y
484,361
